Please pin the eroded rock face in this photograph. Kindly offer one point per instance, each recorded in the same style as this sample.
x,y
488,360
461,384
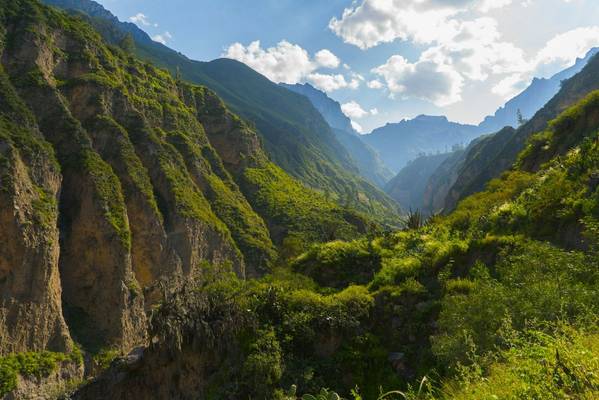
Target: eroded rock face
x,y
30,302
110,189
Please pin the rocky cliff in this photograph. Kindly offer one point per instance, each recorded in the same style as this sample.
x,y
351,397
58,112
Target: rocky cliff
x,y
117,182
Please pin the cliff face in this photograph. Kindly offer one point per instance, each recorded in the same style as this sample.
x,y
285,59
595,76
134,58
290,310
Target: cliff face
x,y
409,185
118,181
496,154
366,158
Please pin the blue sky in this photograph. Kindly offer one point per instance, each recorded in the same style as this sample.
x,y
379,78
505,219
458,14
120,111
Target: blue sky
x,y
384,60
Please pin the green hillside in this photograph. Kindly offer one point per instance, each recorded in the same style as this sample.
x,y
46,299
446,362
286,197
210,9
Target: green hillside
x,y
494,300
294,134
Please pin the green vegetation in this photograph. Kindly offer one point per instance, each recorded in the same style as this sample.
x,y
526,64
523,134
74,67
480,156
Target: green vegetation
x,y
294,212
497,299
108,189
35,364
492,301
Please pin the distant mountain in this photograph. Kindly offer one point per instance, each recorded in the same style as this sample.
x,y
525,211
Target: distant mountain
x,y
366,158
398,143
329,108
294,134
409,185
496,153
463,167
535,96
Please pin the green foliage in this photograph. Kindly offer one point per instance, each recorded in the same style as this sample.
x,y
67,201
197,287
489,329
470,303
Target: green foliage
x,y
104,358
109,191
340,264
263,369
533,283
294,210
562,364
36,364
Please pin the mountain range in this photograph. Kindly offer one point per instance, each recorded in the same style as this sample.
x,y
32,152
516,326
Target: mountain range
x,y
173,229
294,134
367,159
419,137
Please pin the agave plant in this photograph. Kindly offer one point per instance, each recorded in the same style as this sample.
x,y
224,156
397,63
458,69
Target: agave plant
x,y
414,220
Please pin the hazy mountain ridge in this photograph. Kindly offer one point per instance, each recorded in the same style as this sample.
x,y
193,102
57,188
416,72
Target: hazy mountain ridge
x,y
294,134
533,98
367,160
440,193
398,143
499,151
409,185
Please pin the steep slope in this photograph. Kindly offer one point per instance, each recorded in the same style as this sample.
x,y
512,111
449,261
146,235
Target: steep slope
x,y
293,132
329,108
404,141
118,182
366,159
476,299
532,99
496,153
409,185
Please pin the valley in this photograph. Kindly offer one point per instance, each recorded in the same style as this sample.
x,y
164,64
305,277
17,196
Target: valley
x,y
177,229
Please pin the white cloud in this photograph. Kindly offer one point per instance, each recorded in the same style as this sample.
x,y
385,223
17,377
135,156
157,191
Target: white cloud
x,y
286,62
375,84
290,63
328,83
477,51
458,50
510,86
561,51
353,110
437,83
423,21
380,21
488,5
327,59
140,18
357,127
162,37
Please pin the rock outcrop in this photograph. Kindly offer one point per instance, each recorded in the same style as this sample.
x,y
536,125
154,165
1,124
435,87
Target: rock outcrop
x,y
119,182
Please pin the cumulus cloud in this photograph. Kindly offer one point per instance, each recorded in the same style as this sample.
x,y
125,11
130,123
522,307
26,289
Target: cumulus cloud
x,y
478,51
162,37
379,21
290,63
285,62
140,19
375,84
328,82
353,110
423,21
357,127
510,86
325,58
561,51
458,49
437,83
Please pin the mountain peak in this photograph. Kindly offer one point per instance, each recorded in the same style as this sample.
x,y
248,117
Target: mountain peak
x,y
431,118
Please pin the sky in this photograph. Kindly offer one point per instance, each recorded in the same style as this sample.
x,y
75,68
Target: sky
x,y
383,60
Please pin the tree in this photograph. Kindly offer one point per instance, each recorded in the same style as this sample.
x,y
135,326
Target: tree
x,y
127,43
520,118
